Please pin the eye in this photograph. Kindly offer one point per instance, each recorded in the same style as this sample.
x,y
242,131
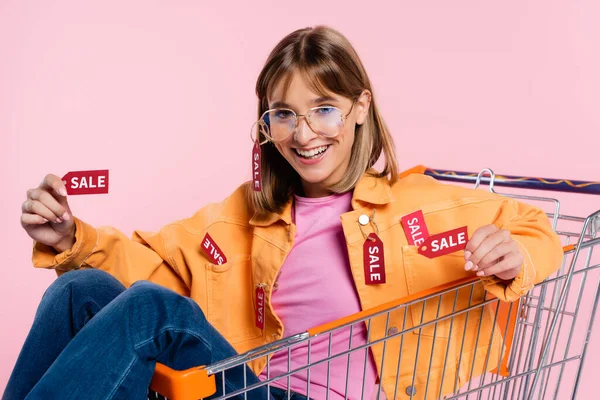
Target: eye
x,y
325,110
283,114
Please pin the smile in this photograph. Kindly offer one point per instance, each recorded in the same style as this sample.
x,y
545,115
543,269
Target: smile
x,y
312,153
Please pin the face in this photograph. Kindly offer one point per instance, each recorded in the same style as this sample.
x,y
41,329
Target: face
x,y
320,161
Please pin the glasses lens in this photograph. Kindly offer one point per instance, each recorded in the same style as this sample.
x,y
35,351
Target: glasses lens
x,y
280,123
326,121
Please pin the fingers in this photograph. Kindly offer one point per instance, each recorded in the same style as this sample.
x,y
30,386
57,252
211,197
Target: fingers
x,y
478,237
496,254
48,201
53,182
38,208
32,219
58,208
507,268
492,251
484,245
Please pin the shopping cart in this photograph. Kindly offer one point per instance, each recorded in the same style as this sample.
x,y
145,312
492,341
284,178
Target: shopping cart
x,y
536,350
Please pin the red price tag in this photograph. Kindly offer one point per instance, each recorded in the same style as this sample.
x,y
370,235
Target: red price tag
x,y
213,251
444,243
373,260
260,307
415,228
256,170
87,182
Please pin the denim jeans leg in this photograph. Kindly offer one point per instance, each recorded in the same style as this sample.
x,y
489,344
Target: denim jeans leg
x,y
115,353
66,306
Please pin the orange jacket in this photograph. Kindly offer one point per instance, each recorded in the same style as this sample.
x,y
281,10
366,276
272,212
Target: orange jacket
x,y
255,249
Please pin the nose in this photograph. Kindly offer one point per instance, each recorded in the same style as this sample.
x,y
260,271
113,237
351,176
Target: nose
x,y
303,133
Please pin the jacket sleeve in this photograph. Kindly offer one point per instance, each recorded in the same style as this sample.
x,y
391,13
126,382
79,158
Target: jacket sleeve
x,y
540,245
143,257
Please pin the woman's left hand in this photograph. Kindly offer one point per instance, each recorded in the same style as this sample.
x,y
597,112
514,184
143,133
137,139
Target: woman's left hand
x,y
492,251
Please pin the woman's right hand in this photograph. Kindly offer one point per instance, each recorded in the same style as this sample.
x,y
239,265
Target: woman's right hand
x,y
46,216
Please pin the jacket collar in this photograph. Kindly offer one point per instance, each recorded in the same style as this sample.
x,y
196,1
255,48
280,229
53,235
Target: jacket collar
x,y
369,189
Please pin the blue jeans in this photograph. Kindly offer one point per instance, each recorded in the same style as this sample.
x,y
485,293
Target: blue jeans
x,y
91,338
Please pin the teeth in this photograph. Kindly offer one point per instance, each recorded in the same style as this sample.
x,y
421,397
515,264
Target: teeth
x,y
311,153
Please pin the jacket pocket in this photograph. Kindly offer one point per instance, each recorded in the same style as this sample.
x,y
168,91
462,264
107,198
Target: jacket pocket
x,y
423,273
230,304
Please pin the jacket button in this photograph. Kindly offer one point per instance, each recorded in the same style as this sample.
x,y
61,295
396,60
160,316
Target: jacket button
x,y
363,219
411,390
393,330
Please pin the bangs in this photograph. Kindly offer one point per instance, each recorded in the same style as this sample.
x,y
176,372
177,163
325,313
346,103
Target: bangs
x,y
320,79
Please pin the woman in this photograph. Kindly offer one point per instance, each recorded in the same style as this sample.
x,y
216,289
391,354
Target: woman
x,y
294,237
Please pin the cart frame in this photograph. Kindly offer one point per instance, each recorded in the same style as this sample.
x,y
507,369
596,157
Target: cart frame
x,y
544,335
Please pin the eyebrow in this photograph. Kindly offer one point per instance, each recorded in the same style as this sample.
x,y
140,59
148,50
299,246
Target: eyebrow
x,y
283,104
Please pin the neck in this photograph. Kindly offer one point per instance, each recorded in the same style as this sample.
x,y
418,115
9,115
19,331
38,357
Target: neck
x,y
314,190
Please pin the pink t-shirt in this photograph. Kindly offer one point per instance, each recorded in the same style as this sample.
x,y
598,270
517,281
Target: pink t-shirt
x,y
315,286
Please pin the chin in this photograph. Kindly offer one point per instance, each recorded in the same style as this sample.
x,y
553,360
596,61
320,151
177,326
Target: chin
x,y
315,178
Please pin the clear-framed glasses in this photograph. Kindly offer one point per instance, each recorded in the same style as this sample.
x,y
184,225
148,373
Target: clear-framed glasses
x,y
278,124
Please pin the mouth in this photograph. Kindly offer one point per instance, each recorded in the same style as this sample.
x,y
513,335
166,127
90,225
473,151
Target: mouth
x,y
312,153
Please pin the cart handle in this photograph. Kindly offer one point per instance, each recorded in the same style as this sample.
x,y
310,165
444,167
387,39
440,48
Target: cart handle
x,y
523,182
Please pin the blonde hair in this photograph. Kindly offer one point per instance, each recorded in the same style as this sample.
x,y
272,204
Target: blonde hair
x,y
328,62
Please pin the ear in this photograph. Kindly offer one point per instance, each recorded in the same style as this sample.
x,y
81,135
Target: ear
x,y
362,106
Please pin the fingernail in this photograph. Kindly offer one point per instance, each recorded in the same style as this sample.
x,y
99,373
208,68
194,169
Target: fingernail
x,y
66,216
480,273
45,220
476,267
58,220
468,265
467,255
63,191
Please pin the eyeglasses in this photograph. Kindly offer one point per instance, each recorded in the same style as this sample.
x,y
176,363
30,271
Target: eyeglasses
x,y
278,124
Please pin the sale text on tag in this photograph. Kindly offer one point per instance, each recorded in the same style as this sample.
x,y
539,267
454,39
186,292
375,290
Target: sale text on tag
x,y
444,243
256,168
87,182
213,251
260,307
374,260
415,228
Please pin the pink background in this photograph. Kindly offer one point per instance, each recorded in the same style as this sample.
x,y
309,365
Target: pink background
x,y
162,94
